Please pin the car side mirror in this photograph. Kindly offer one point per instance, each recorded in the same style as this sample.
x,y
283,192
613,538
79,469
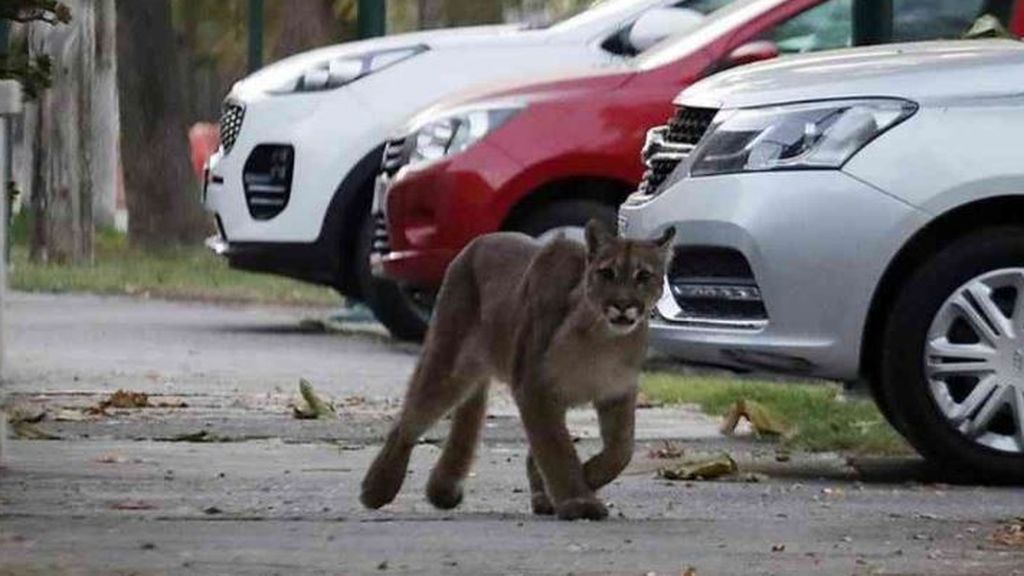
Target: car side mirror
x,y
751,52
659,23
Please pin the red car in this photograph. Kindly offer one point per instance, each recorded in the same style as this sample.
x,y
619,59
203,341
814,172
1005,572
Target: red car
x,y
545,157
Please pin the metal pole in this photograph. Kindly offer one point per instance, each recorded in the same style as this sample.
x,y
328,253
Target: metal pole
x,y
373,19
255,35
10,105
872,22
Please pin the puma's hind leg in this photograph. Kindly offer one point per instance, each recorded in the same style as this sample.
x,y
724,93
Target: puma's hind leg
x,y
432,393
444,489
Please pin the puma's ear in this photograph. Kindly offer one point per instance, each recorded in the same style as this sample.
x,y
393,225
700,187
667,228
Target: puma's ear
x,y
665,240
597,236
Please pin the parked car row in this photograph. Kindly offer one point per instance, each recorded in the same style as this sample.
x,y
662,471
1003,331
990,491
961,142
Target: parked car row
x,y
850,211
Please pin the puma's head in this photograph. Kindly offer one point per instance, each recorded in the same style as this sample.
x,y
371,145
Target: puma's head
x,y
625,277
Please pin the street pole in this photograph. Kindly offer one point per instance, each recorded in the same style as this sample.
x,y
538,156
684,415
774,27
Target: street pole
x,y
10,105
255,35
372,15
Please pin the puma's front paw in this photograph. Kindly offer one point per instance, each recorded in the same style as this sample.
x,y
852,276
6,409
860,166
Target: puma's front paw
x,y
587,508
542,505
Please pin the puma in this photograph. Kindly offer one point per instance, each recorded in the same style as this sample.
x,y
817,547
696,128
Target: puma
x,y
563,324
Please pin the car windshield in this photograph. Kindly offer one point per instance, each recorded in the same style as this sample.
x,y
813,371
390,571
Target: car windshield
x,y
717,24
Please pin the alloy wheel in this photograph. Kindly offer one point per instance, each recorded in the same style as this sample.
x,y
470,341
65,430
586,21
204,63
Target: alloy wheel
x,y
974,360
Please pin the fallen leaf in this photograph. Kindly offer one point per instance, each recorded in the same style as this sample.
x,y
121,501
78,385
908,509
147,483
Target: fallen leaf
x,y
313,407
1010,535
127,399
761,419
778,547
723,465
690,571
112,459
26,414
212,510
172,404
133,505
121,399
69,415
26,431
643,401
668,451
201,436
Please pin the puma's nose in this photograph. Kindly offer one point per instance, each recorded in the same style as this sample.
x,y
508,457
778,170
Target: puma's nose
x,y
628,310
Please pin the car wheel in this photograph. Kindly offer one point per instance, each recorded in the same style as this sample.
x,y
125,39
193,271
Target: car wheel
x,y
953,357
566,217
403,310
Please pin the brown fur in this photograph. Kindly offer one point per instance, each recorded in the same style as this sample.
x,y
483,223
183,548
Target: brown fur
x,y
543,319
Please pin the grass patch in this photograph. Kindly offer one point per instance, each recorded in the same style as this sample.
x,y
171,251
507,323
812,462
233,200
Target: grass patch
x,y
825,419
192,273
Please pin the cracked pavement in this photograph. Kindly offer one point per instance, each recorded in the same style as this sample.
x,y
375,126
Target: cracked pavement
x,y
264,493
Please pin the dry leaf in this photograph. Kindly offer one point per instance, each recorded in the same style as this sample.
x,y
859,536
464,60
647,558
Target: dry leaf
x,y
133,505
668,451
724,465
313,407
760,418
26,414
690,571
69,415
1011,535
127,399
644,401
26,431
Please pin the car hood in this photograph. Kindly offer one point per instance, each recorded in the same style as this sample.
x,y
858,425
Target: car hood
x,y
449,38
924,72
557,86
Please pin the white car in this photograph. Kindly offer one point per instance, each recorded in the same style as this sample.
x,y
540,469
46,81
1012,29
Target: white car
x,y
857,214
302,139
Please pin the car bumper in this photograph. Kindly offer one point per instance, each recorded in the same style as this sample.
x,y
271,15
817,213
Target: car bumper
x,y
308,262
426,215
242,186
817,243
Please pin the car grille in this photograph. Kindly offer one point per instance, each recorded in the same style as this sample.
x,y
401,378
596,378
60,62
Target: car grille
x,y
668,145
231,117
381,243
713,286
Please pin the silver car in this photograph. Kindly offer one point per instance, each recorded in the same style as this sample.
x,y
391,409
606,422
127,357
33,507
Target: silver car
x,y
856,214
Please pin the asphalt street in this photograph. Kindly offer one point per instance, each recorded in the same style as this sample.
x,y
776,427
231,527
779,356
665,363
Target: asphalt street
x,y
219,477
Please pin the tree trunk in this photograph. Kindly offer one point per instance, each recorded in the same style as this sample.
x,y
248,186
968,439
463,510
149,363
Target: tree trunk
x,y
162,195
462,13
61,141
305,24
105,125
431,14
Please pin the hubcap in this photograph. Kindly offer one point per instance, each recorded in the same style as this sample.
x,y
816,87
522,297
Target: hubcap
x,y
974,360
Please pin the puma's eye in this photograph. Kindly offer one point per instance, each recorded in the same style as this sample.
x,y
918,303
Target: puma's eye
x,y
643,276
606,273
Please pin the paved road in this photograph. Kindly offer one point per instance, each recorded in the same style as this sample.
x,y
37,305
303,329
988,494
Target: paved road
x,y
267,494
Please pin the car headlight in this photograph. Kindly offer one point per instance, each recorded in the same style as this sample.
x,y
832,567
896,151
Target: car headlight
x,y
456,132
790,137
337,72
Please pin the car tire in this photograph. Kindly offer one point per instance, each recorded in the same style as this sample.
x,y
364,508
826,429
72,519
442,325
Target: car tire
x,y
570,216
397,307
942,409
